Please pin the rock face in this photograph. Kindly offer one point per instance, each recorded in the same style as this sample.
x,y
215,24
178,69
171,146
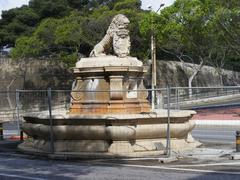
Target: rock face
x,y
34,74
29,74
55,74
175,74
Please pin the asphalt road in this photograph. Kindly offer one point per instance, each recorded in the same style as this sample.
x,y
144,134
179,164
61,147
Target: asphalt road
x,y
36,169
214,134
18,166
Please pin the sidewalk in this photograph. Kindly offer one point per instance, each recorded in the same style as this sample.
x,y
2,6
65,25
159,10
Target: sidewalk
x,y
205,154
219,116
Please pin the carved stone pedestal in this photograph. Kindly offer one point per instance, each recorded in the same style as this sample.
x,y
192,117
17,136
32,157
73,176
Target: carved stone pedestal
x,y
115,82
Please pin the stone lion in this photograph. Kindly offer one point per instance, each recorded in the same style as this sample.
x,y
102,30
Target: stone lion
x,y
116,38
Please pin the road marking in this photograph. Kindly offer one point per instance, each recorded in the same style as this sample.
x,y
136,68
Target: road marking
x,y
224,141
213,135
176,169
205,165
217,122
20,177
212,131
140,158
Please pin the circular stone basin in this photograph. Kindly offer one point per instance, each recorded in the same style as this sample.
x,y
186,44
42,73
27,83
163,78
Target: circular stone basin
x,y
110,135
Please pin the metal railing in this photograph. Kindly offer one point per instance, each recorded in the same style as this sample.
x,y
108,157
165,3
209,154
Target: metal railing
x,y
53,102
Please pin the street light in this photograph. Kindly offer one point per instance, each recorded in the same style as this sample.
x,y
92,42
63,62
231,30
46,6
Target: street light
x,y
153,57
161,5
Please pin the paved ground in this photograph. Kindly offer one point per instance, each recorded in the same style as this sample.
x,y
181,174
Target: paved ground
x,y
210,161
21,168
216,134
224,113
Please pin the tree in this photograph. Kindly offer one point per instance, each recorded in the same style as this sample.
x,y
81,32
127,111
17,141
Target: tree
x,y
226,27
22,21
65,38
53,38
27,47
16,22
50,8
188,31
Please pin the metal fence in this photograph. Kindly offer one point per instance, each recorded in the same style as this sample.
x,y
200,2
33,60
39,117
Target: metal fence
x,y
14,105
218,114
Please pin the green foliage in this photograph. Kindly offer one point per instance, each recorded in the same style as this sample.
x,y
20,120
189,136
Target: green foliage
x,y
196,30
127,4
22,21
63,38
57,38
16,22
193,30
27,47
50,8
68,59
28,17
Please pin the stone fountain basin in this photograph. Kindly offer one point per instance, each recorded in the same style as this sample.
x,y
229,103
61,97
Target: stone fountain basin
x,y
116,127
114,135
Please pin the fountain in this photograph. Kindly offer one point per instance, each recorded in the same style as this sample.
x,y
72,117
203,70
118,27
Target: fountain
x,y
110,115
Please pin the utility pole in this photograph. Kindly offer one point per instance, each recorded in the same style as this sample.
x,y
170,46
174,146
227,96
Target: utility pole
x,y
154,69
153,58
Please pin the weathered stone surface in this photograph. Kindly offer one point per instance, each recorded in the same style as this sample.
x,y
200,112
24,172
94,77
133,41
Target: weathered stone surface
x,y
34,74
68,145
116,38
115,134
104,61
108,84
29,74
175,74
151,130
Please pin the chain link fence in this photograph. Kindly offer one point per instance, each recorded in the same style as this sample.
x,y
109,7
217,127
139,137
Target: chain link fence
x,y
209,102
218,114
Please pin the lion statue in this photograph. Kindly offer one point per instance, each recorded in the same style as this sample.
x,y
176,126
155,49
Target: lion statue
x,y
116,38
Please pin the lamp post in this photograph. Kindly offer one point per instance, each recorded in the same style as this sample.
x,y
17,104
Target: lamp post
x,y
153,58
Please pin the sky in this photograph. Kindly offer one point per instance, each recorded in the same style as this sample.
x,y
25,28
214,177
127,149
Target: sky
x,y
155,3
8,4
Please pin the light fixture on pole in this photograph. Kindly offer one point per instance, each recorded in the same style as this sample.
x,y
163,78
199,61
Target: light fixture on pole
x,y
153,57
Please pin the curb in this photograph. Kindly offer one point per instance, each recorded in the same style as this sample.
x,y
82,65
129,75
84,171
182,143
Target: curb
x,y
235,156
218,122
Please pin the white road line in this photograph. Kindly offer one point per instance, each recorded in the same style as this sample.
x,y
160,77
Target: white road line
x,y
225,141
213,135
217,122
140,158
206,165
176,169
209,130
19,177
